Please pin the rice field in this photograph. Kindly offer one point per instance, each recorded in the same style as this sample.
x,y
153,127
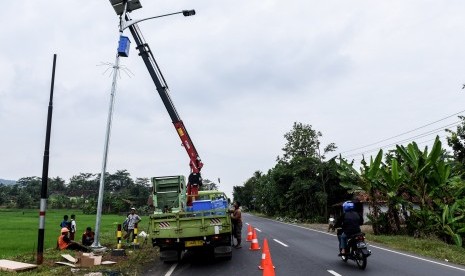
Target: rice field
x,y
19,229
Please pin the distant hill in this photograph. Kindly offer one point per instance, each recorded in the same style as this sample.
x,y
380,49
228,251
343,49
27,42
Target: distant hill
x,y
7,182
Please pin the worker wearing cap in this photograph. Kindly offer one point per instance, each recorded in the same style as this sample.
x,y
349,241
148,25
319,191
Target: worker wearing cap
x,y
133,218
65,243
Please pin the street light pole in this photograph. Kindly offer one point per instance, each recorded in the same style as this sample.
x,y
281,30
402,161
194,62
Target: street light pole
x,y
123,24
96,243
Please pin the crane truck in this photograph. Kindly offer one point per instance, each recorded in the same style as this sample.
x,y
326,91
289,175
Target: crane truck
x,y
184,218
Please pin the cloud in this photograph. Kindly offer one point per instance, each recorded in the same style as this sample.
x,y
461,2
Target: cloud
x,y
240,73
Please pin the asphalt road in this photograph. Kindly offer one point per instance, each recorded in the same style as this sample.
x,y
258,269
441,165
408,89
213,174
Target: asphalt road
x,y
296,250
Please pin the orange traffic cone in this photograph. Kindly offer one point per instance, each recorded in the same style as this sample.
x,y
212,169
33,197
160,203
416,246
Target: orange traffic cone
x,y
249,233
266,256
254,245
268,271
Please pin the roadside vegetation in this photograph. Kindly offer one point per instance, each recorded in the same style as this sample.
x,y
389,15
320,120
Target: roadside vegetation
x,y
429,247
412,194
80,193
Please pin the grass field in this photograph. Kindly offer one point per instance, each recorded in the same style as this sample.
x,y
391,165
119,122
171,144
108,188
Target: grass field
x,y
19,229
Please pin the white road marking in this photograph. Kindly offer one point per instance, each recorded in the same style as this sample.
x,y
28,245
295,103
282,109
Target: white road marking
x,y
385,249
281,243
171,270
258,229
334,273
418,258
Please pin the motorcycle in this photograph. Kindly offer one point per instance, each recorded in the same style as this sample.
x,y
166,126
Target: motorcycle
x,y
356,250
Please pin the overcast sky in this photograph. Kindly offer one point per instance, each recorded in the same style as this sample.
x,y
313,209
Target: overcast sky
x,y
240,74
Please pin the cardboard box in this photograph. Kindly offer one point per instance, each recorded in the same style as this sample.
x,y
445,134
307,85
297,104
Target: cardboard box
x,y
88,259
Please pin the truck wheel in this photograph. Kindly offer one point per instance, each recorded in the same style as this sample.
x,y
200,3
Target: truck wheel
x,y
168,256
223,252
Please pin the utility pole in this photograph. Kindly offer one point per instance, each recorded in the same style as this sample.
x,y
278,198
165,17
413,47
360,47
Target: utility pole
x,y
43,191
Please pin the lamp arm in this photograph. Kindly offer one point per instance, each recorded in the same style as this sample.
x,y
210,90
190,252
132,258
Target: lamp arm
x,y
127,24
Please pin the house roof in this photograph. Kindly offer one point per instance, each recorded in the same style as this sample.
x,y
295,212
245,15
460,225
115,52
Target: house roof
x,y
364,197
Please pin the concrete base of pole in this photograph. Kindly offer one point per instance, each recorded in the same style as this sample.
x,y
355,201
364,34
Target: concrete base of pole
x,y
118,252
98,249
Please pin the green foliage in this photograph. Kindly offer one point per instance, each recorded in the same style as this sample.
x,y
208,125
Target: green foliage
x,y
422,182
120,192
452,221
456,141
302,185
207,185
367,181
302,141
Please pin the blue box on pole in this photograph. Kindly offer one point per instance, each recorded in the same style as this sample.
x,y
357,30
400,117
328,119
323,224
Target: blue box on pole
x,y
123,46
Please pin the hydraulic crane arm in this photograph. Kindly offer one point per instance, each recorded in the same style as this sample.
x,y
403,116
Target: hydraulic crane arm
x,y
195,163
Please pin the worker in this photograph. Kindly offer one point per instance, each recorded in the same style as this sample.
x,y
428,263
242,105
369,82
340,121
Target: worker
x,y
132,219
88,237
236,218
65,243
73,228
65,222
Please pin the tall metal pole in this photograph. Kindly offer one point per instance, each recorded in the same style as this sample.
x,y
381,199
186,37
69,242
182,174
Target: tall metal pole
x,y
105,155
96,243
43,191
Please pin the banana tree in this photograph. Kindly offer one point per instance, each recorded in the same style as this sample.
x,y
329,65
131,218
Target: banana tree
x,y
453,222
424,176
419,165
367,181
392,188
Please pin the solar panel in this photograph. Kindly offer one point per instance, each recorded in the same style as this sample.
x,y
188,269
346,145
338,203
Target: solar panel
x,y
119,8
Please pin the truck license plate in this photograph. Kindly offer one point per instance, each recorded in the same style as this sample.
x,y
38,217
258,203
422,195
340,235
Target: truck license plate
x,y
193,243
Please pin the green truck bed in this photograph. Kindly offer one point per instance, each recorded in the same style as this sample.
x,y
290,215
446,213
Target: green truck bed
x,y
190,224
174,227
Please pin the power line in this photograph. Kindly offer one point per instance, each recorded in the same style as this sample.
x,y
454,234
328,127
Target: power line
x,y
395,143
421,135
360,158
410,131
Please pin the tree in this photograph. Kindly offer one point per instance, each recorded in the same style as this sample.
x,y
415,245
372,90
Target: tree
x,y
84,184
392,188
367,180
29,192
303,148
4,193
143,181
120,180
456,141
56,185
246,194
25,200
302,141
208,185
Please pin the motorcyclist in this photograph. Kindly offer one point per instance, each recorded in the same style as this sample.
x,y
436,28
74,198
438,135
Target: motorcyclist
x,y
350,222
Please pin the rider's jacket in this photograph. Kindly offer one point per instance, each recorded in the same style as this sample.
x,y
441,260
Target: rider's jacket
x,y
350,223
